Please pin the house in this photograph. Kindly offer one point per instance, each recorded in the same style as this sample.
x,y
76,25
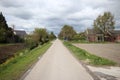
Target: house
x,y
116,34
20,33
92,36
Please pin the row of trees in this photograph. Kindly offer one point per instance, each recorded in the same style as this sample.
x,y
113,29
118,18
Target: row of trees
x,y
39,36
68,33
6,33
103,24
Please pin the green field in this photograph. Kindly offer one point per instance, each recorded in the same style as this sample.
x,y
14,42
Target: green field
x,y
15,67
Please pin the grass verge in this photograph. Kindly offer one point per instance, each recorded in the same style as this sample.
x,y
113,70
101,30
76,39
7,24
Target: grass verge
x,y
15,67
87,57
6,44
87,42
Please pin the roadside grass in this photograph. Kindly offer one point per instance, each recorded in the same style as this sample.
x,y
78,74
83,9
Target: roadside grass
x,y
15,67
6,44
87,57
118,42
79,41
87,42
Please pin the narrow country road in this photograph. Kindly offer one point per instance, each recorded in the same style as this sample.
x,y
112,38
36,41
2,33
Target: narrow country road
x,y
58,64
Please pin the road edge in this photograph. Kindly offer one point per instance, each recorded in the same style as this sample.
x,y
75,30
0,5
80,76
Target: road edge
x,y
32,66
95,77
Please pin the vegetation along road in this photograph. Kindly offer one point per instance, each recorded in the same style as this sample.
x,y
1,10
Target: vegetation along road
x,y
58,64
109,51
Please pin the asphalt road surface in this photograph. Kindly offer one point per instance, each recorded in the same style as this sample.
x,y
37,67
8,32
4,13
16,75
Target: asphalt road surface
x,y
58,64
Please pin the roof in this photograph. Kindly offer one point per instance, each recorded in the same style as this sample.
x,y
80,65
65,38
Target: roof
x,y
90,31
20,33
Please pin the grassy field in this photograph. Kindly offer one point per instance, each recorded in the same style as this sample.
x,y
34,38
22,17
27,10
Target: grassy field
x,y
15,67
87,57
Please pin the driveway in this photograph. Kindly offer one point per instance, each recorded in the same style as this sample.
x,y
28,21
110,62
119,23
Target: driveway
x,y
58,64
110,51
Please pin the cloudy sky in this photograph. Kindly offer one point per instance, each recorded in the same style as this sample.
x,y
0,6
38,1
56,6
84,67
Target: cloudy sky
x,y
53,14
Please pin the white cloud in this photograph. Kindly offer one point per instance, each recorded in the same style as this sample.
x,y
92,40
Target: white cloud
x,y
86,13
53,14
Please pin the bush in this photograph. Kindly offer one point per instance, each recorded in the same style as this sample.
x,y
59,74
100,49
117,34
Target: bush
x,y
33,45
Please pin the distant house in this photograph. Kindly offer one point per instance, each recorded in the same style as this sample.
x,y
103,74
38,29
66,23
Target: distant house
x,y
92,36
20,33
116,34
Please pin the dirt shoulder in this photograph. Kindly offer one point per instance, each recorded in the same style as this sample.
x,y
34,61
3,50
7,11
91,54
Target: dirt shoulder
x,y
109,51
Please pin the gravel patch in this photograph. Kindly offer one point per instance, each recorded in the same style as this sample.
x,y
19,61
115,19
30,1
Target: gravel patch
x,y
106,73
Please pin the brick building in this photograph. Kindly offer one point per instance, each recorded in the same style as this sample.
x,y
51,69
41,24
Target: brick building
x,y
92,36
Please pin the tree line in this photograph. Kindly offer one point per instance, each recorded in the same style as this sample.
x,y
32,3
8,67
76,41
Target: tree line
x,y
103,24
39,37
68,33
6,33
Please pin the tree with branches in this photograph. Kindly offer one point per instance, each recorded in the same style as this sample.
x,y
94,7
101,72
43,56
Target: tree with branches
x,y
104,24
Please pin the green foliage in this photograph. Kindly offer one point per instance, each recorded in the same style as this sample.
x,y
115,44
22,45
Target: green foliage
x,y
3,29
30,43
40,35
52,36
87,57
67,32
104,24
6,33
2,35
3,23
17,66
37,37
79,37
